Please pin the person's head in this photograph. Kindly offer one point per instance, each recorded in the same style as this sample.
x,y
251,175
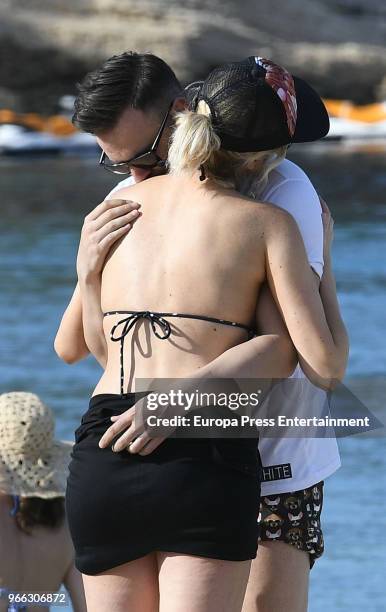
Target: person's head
x,y
196,146
31,512
243,117
126,103
33,464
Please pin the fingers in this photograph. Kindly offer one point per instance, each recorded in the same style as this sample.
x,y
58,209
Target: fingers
x,y
127,210
139,443
323,204
134,439
125,420
150,446
327,217
144,445
327,220
107,235
326,212
118,222
128,438
107,205
108,222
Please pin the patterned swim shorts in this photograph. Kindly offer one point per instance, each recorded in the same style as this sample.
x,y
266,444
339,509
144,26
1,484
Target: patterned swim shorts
x,y
294,518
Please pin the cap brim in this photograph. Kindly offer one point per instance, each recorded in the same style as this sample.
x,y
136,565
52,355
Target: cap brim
x,y
312,121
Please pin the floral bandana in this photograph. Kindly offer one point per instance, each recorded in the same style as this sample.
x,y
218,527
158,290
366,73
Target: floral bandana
x,y
283,84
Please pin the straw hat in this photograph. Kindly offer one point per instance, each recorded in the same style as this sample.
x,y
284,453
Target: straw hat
x,y
32,462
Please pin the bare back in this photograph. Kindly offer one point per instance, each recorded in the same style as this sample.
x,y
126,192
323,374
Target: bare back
x,y
195,250
32,563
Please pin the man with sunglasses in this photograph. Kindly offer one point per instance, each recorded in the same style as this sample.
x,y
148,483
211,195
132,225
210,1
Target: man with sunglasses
x,y
129,105
145,160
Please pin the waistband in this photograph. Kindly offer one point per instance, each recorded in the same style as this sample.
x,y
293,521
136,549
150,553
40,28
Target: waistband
x,y
102,398
240,453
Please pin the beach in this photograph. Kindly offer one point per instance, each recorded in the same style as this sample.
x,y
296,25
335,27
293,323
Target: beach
x,y
44,202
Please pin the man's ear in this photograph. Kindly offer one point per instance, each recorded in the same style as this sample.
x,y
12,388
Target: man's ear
x,y
180,104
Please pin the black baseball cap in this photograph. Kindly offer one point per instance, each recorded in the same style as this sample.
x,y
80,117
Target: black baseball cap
x,y
257,105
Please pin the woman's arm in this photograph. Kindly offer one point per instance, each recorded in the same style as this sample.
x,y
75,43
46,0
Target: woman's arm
x,y
92,317
312,318
69,342
269,355
81,328
102,227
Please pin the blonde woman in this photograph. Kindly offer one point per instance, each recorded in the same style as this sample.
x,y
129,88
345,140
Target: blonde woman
x,y
172,524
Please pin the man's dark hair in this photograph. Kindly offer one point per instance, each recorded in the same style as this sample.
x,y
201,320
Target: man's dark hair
x,y
130,80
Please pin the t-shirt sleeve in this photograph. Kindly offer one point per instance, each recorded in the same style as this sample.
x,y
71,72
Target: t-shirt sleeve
x,y
126,183
299,198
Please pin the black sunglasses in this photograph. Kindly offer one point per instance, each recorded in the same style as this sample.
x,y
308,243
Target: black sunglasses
x,y
146,160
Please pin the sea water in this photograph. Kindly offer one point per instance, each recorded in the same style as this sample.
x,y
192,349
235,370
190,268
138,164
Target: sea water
x,y
43,203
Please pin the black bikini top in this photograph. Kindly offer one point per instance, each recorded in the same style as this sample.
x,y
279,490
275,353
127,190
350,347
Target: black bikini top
x,y
161,328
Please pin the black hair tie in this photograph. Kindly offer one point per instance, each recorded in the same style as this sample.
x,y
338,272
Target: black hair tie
x,y
202,175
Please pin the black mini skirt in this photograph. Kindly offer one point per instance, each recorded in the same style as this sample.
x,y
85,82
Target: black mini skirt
x,y
190,496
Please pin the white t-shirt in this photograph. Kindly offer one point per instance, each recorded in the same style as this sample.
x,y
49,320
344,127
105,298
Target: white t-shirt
x,y
292,463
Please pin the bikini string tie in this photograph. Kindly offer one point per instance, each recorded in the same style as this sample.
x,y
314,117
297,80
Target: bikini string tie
x,y
161,328
157,323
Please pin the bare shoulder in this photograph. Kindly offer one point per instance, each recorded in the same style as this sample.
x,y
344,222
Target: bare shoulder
x,y
144,188
265,216
276,219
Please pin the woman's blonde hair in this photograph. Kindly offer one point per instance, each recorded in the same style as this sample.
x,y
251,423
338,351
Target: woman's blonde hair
x,y
195,144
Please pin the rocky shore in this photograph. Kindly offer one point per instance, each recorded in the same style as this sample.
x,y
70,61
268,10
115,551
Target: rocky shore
x,y
47,45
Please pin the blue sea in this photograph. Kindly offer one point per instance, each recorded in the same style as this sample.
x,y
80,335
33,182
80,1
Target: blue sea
x,y
43,203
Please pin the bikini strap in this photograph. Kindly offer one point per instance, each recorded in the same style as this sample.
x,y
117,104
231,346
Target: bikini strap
x,y
158,315
16,505
160,326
